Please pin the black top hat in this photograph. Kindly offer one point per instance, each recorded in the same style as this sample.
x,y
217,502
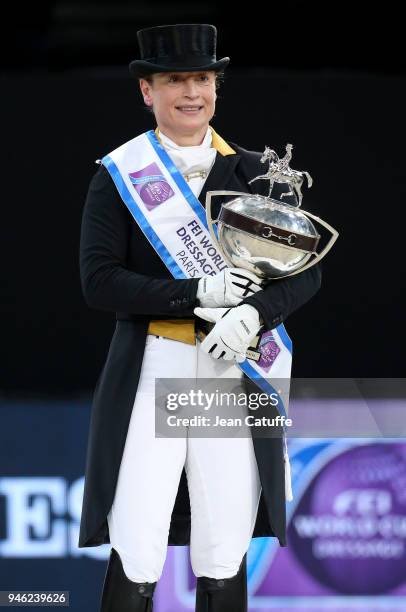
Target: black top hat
x,y
183,47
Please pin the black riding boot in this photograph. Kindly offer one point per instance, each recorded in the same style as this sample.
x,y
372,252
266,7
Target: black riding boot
x,y
225,594
120,594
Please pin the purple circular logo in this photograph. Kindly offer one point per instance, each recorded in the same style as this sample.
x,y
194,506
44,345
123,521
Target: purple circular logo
x,y
155,193
349,529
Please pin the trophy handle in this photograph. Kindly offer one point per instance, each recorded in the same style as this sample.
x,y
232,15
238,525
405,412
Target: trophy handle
x,y
211,222
319,256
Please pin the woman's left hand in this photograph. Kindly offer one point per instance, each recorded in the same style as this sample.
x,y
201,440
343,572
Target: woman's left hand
x,y
234,330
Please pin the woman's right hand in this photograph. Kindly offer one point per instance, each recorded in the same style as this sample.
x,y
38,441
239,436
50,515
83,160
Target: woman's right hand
x,y
227,288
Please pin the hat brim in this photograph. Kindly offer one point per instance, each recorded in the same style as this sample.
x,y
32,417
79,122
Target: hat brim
x,y
141,68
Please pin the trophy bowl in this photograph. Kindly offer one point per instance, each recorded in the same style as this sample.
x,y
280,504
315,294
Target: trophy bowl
x,y
265,236
271,238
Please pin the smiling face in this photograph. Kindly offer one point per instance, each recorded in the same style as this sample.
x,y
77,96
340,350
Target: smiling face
x,y
183,103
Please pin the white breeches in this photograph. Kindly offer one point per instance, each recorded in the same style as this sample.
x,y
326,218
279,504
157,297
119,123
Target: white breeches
x,y
222,476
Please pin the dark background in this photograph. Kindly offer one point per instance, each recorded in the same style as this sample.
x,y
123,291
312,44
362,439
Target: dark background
x,y
327,77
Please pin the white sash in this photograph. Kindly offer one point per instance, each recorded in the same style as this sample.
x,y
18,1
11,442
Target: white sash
x,y
174,221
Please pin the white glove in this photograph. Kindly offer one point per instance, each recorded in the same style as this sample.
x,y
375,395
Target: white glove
x,y
234,330
227,288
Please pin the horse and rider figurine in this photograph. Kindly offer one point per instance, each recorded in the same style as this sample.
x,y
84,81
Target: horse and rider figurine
x,y
279,171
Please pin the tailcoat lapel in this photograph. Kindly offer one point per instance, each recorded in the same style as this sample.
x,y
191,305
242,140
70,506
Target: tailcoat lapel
x,y
221,176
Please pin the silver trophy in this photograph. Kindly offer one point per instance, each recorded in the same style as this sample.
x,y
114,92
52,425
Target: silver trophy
x,y
270,237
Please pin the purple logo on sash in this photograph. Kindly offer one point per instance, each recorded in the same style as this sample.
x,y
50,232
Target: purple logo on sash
x,y
269,350
151,185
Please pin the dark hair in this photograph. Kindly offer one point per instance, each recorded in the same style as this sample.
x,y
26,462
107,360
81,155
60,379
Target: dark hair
x,y
150,79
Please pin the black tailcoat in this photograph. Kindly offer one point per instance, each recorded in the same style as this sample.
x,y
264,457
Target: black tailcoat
x,y
121,272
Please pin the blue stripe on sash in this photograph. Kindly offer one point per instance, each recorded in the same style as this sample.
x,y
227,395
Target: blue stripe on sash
x,y
140,218
262,382
283,334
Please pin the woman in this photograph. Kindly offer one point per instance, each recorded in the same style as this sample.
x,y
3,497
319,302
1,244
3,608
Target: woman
x,y
141,492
